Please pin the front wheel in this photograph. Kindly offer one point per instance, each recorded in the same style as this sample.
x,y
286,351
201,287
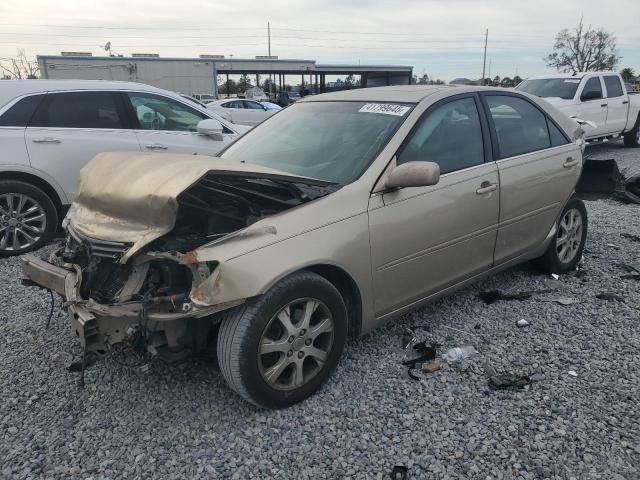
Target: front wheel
x,y
277,349
565,250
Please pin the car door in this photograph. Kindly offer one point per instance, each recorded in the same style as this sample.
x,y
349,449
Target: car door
x,y
236,111
68,129
255,112
425,239
617,104
593,106
164,124
538,169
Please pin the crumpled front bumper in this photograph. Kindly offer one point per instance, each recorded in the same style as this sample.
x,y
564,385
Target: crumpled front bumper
x,y
97,324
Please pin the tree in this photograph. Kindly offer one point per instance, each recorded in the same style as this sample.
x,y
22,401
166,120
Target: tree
x,y
627,74
269,86
516,80
583,50
20,67
438,82
506,82
243,83
496,80
423,80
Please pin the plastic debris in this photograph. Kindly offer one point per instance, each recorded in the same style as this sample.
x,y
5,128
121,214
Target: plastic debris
x,y
459,354
613,245
399,472
632,189
610,297
522,323
555,276
508,380
562,300
408,338
573,373
492,296
425,352
635,238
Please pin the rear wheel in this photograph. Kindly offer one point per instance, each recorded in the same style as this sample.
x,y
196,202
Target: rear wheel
x,y
27,217
277,349
632,137
565,250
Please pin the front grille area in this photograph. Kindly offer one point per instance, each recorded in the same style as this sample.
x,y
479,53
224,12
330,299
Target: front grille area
x,y
100,248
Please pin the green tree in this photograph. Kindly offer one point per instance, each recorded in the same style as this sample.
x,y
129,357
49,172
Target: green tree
x,y
496,80
583,49
506,82
516,80
269,86
627,74
243,83
424,80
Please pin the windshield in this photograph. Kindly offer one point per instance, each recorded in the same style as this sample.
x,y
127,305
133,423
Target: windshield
x,y
330,141
551,87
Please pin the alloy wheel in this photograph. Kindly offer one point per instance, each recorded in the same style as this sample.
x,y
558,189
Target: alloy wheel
x,y
22,221
296,344
569,235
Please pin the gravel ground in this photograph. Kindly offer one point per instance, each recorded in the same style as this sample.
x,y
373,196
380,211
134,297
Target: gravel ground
x,y
183,422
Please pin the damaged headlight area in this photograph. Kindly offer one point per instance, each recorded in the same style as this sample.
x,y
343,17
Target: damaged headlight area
x,y
159,297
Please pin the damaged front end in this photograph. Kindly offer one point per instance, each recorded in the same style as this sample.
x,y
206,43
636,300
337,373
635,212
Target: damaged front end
x,y
124,280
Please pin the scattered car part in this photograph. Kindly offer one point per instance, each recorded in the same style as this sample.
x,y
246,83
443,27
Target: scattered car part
x,y
508,380
610,297
522,323
632,189
564,301
424,353
492,296
458,354
431,367
600,177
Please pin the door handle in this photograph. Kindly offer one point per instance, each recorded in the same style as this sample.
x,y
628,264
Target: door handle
x,y
624,102
156,146
603,104
486,187
570,162
46,140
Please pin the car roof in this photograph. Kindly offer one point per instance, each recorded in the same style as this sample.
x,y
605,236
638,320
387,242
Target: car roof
x,y
398,93
14,88
569,75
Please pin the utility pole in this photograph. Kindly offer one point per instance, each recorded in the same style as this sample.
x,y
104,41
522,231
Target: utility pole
x,y
484,62
269,36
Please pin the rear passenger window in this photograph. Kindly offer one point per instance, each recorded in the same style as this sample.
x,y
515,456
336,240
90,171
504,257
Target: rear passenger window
x,y
520,127
557,137
19,114
78,110
614,87
449,135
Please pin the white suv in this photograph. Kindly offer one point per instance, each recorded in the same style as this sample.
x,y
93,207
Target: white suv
x,y
49,129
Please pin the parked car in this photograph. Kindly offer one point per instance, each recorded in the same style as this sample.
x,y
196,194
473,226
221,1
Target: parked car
x,y
598,97
49,129
286,98
341,212
242,112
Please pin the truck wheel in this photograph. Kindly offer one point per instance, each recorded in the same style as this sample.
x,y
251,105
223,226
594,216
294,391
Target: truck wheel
x,y
27,217
632,137
565,250
277,349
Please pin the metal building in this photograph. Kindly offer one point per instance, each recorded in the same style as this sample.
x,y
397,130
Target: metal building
x,y
198,75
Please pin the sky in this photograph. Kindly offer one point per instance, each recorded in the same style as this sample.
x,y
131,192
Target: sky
x,y
441,38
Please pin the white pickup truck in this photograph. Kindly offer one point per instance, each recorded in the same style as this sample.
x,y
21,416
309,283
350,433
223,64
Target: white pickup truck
x,y
598,97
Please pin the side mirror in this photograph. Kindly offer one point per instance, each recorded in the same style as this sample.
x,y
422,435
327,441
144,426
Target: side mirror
x,y
413,174
211,127
590,95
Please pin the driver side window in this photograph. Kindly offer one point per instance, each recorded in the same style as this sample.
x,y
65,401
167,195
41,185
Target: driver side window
x,y
449,135
155,112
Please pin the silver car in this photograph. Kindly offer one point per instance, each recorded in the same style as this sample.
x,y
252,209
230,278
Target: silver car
x,y
343,211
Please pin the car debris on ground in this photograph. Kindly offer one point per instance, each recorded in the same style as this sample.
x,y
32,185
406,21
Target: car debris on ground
x,y
509,380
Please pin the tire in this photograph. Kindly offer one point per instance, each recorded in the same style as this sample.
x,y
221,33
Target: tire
x,y
632,137
552,260
21,234
245,328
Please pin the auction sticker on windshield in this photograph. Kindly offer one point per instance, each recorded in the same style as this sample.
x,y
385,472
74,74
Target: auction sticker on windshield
x,y
385,108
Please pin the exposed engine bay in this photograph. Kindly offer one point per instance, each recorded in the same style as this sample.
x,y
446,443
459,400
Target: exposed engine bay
x,y
115,298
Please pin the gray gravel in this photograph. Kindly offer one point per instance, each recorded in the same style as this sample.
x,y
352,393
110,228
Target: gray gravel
x,y
182,422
